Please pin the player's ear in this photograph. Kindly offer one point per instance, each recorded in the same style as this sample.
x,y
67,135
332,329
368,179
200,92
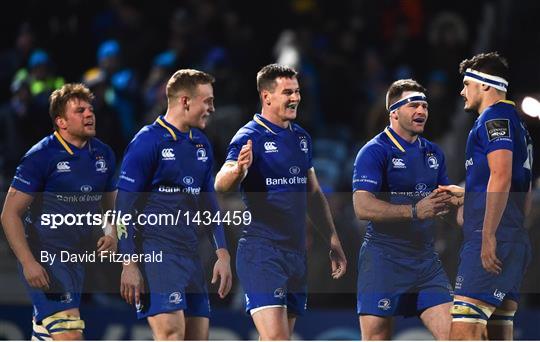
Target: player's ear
x,y
484,87
184,102
60,122
265,95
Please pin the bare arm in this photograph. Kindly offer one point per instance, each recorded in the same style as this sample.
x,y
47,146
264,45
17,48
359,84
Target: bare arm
x,y
369,207
319,214
14,207
233,173
498,188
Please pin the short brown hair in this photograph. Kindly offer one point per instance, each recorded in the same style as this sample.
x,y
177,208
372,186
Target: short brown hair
x,y
186,80
266,77
60,97
490,63
397,88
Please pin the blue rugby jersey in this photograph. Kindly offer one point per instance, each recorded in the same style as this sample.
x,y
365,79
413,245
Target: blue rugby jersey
x,y
498,127
63,179
274,190
166,171
399,172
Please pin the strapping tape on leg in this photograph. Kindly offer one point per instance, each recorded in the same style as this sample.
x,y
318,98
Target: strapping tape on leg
x,y
470,313
502,317
39,333
57,324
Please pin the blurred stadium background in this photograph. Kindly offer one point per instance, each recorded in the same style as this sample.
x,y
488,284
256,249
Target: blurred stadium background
x,y
347,52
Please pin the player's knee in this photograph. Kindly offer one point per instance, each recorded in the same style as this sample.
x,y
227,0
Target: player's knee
x,y
465,312
276,335
169,333
62,326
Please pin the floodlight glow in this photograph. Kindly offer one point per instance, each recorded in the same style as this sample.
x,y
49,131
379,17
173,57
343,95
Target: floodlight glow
x,y
531,107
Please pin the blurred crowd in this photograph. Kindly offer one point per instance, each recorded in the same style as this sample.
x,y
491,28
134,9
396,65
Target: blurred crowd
x,y
347,53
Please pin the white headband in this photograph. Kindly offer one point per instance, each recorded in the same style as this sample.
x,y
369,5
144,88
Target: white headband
x,y
413,97
483,78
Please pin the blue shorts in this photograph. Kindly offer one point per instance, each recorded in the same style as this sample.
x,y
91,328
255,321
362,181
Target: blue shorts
x,y
66,284
176,283
399,286
475,282
272,276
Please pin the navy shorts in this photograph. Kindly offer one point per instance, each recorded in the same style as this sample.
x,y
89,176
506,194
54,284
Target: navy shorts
x,y
271,276
474,281
66,284
399,286
176,283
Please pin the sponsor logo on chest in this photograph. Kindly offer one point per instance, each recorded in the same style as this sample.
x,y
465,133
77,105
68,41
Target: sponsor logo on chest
x,y
63,166
270,147
167,154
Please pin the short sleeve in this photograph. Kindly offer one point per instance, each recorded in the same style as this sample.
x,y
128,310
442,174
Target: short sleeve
x,y
138,165
369,168
239,140
495,132
30,175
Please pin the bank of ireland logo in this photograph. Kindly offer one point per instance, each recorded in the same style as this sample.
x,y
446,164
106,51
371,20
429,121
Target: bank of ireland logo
x,y
201,154
420,187
433,163
175,298
384,304
279,293
294,170
270,147
168,154
188,180
304,145
101,166
86,188
63,166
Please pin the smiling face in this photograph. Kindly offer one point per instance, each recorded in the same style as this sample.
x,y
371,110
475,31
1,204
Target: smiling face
x,y
201,105
410,119
282,103
78,121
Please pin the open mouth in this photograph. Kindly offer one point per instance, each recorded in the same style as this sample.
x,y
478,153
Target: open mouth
x,y
292,106
89,124
419,120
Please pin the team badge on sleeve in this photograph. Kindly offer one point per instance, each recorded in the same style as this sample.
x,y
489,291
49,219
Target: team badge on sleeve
x,y
498,128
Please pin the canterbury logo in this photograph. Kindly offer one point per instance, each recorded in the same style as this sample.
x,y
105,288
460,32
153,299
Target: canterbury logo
x,y
63,166
270,146
167,154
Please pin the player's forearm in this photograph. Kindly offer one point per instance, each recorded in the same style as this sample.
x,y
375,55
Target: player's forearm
x,y
319,212
496,199
14,230
368,207
228,178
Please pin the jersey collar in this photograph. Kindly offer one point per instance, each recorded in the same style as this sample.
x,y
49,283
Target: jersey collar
x,y
175,132
259,119
507,102
69,147
398,141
